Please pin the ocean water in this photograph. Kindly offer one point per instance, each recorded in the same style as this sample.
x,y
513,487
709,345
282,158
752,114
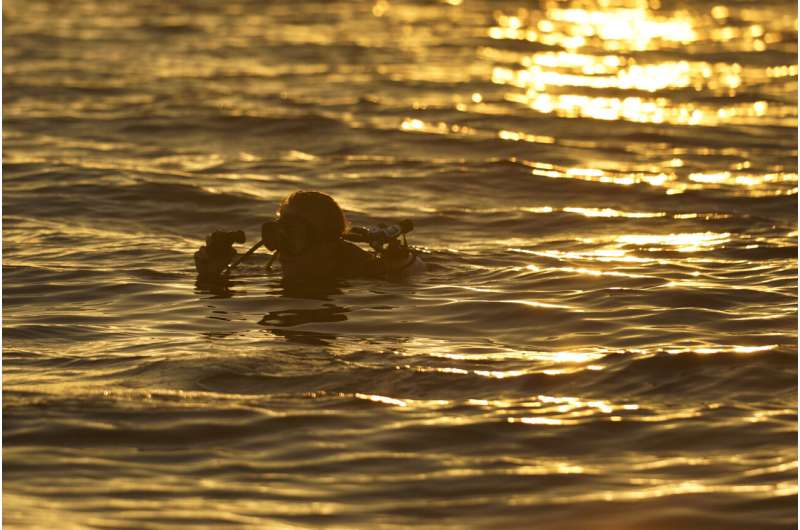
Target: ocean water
x,y
605,192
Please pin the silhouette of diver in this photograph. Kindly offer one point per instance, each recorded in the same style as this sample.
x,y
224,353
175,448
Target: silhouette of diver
x,y
309,237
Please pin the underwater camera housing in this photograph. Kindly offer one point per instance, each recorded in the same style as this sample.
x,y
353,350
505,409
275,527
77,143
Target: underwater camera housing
x,y
382,238
220,242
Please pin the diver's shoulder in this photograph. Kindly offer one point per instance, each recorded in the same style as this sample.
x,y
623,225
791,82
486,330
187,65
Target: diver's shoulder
x,y
351,251
357,262
354,262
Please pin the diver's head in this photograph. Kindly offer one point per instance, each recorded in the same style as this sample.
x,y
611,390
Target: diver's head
x,y
312,223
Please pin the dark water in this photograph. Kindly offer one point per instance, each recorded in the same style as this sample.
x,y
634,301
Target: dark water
x,y
606,194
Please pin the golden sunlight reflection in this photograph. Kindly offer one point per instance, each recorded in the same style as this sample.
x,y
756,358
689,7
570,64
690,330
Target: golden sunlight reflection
x,y
658,110
540,420
657,488
765,415
551,363
745,180
751,184
570,410
611,212
417,125
603,255
723,349
692,242
618,249
663,173
559,410
598,54
593,272
626,28
661,179
548,468
382,399
556,411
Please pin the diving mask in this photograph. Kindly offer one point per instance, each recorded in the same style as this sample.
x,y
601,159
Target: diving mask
x,y
291,234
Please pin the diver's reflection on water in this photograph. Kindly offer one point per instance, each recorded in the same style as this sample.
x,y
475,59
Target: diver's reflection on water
x,y
220,288
286,293
278,321
223,287
296,317
308,338
310,290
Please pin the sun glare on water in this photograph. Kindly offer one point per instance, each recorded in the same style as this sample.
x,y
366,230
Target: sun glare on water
x,y
603,52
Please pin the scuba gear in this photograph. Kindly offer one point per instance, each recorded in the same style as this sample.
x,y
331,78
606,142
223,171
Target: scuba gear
x,y
378,236
212,260
310,238
240,258
384,240
220,242
293,236
289,233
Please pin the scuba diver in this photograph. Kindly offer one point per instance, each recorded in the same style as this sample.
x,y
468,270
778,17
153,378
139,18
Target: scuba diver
x,y
312,240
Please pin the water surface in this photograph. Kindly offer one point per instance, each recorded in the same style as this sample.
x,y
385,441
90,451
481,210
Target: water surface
x,y
605,192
